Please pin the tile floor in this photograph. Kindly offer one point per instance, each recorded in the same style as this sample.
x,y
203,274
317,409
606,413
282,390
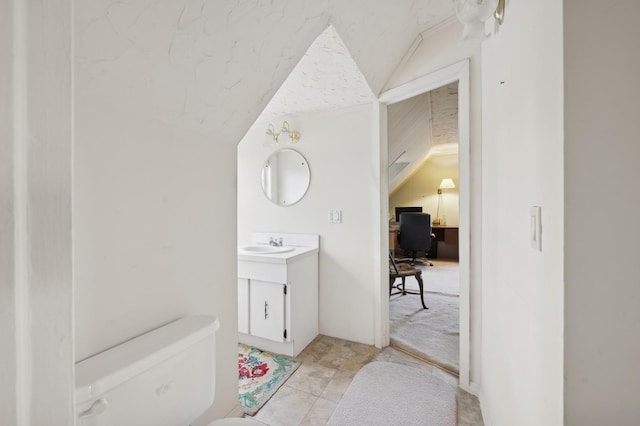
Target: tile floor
x,y
312,393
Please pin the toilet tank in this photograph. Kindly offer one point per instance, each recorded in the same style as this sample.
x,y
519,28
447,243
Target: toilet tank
x,y
163,377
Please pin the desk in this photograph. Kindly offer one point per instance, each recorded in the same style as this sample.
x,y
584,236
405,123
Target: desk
x,y
445,234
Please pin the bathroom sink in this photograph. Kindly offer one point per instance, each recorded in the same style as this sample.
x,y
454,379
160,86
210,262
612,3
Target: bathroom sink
x,y
264,249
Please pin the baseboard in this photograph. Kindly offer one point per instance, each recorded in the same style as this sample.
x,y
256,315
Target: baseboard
x,y
474,388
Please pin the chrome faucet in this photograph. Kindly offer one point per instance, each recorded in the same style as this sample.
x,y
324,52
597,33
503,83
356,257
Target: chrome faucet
x,y
275,242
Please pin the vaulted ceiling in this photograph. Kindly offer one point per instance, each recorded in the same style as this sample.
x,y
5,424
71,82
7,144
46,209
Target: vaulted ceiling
x,y
326,78
214,65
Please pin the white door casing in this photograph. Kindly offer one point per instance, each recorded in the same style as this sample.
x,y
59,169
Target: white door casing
x,y
456,72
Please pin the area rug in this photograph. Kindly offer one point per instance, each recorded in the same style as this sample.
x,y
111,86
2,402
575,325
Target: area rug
x,y
384,393
432,334
260,374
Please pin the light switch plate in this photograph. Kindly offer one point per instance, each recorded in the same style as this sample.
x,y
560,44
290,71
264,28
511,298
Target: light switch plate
x,y
536,227
335,216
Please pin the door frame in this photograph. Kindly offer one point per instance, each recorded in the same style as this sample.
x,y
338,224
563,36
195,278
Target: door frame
x,y
459,72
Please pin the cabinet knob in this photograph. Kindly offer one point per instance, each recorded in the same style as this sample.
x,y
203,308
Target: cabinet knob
x,y
266,310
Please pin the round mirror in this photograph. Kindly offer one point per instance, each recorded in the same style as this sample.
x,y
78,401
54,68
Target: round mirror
x,y
285,177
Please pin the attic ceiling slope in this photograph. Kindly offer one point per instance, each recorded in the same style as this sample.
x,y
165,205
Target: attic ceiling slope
x,y
213,66
379,33
325,79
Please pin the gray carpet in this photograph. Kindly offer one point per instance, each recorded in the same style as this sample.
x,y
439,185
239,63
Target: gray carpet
x,y
432,334
384,393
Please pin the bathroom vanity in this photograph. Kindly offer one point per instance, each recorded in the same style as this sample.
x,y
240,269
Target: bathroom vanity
x,y
278,292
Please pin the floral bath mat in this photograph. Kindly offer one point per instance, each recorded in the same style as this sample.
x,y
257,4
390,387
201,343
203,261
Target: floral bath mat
x,y
260,374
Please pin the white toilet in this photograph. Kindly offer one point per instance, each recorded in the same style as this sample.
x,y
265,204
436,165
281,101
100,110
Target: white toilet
x,y
164,377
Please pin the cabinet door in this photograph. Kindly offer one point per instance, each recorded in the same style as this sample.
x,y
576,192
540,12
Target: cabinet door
x,y
267,310
243,305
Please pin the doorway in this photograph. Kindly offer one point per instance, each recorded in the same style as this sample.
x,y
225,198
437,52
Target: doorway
x,y
458,72
423,177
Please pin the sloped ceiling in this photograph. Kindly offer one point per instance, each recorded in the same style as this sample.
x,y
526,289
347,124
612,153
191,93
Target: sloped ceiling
x,y
325,79
214,65
421,128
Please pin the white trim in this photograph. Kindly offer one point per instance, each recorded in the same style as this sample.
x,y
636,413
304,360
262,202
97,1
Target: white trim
x,y
458,71
425,83
21,227
381,301
331,112
450,20
474,389
405,59
464,242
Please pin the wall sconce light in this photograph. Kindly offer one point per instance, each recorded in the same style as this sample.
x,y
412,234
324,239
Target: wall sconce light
x,y
499,13
447,183
271,131
292,134
474,13
286,130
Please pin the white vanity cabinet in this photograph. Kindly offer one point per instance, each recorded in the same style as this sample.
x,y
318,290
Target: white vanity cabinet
x,y
278,300
267,310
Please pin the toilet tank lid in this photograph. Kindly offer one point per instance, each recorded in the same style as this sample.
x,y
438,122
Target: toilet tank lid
x,y
106,370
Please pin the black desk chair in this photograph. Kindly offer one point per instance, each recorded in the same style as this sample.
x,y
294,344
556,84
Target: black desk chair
x,y
415,235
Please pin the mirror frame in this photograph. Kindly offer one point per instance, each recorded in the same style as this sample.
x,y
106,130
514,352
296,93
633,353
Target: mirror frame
x,y
267,164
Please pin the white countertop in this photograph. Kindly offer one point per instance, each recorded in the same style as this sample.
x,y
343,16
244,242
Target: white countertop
x,y
285,257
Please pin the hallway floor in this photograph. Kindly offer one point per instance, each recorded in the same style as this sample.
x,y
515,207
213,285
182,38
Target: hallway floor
x,y
432,334
312,393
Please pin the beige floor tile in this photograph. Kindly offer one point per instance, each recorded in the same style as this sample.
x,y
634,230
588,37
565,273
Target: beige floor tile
x,y
311,378
320,413
337,386
385,354
315,350
312,393
236,412
468,412
347,356
288,407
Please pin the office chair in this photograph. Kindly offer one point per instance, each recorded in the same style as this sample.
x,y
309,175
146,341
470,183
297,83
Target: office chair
x,y
403,271
415,235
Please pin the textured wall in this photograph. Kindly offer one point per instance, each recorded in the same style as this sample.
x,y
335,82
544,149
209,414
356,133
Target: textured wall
x,y
444,114
164,92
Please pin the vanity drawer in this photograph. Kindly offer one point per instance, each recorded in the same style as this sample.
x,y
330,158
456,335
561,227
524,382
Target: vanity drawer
x,y
272,272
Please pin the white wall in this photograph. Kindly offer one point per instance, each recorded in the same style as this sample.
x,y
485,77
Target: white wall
x,y
36,358
602,158
439,48
164,91
421,189
147,245
522,303
8,331
154,193
339,147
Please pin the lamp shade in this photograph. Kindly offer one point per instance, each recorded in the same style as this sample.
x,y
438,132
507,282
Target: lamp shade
x,y
447,183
